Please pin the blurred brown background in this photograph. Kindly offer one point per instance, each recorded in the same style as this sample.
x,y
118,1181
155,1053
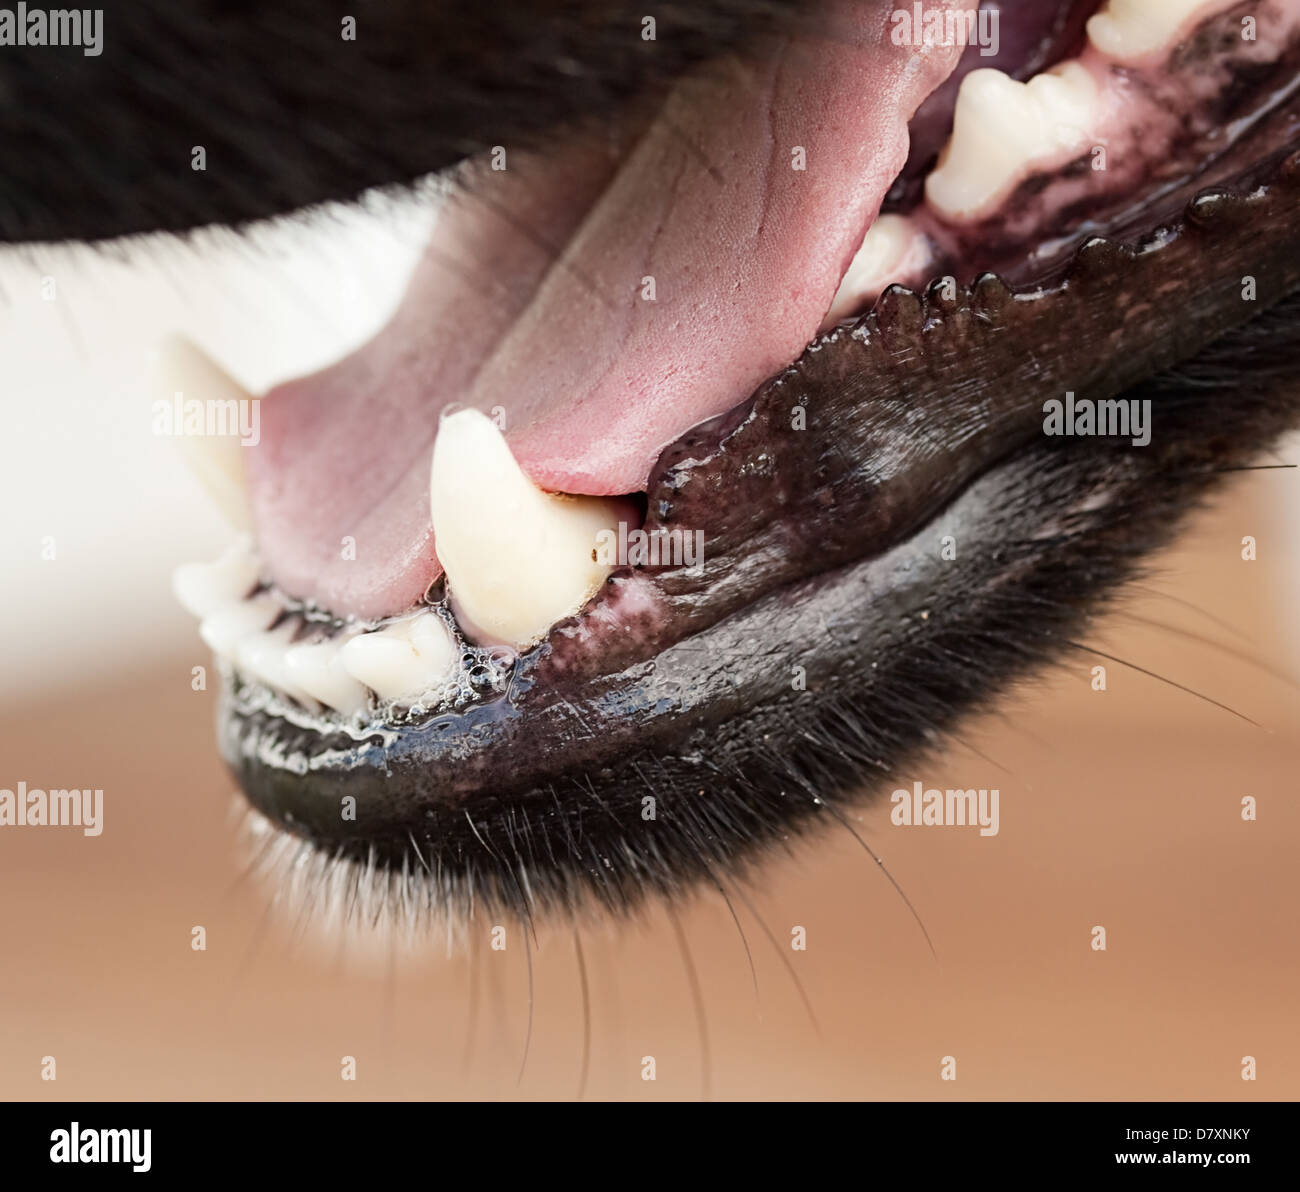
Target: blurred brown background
x,y
1120,809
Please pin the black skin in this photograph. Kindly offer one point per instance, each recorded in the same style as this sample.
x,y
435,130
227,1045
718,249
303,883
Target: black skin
x,y
824,547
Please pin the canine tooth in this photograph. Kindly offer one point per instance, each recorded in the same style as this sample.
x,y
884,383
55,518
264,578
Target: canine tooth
x,y
892,250
403,660
263,657
517,559
202,588
217,460
1127,30
1001,128
318,668
223,629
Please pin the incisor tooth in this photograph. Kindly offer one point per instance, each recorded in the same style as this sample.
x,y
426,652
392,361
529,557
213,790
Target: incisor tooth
x,y
317,668
224,629
517,559
262,656
217,460
202,588
1127,30
403,660
1001,128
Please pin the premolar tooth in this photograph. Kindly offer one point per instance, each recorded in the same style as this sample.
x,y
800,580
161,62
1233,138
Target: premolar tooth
x,y
1127,30
202,588
217,460
517,559
1002,129
403,660
223,629
318,669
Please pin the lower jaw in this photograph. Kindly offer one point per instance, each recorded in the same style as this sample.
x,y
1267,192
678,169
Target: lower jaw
x,y
750,718
828,594
759,728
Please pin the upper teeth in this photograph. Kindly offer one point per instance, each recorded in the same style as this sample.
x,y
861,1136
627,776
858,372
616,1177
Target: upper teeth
x,y
1130,29
202,588
517,559
224,628
1002,129
217,460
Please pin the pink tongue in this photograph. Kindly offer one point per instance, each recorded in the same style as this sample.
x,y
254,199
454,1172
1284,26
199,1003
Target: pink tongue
x,y
606,298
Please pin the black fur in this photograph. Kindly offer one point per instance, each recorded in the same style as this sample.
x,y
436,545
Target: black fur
x,y
290,114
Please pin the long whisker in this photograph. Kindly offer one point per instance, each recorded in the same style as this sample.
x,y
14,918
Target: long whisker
x,y
877,859
1221,647
1161,678
697,996
1221,622
749,956
528,1034
471,1017
586,1012
785,960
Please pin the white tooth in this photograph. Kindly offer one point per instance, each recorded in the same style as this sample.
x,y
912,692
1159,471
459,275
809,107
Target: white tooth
x,y
892,250
318,669
1002,129
517,559
263,656
403,660
1127,30
223,629
202,588
217,460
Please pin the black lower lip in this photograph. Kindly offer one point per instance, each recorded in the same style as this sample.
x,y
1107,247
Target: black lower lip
x,y
548,807
831,638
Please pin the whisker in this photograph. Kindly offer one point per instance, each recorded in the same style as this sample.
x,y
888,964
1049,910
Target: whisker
x,y
1222,647
528,1033
1161,678
1221,622
785,960
1255,467
872,853
697,997
471,1016
388,1017
260,931
419,855
586,1012
979,753
749,956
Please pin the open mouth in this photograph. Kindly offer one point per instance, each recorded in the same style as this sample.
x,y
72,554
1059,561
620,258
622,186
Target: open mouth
x,y
719,459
